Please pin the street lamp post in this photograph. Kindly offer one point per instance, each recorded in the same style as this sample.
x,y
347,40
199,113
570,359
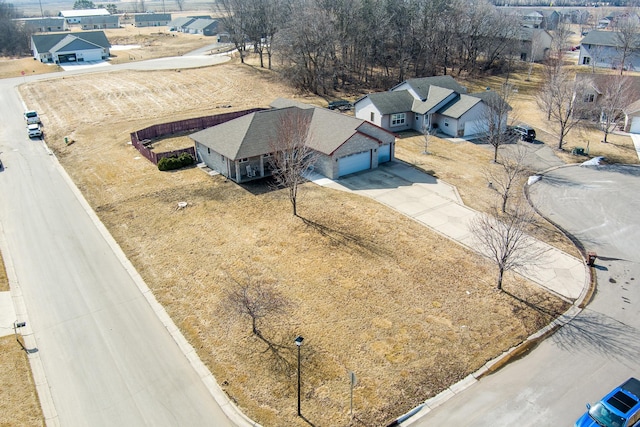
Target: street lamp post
x,y
298,342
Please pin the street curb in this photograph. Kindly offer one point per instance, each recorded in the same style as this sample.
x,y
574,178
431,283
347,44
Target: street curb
x,y
519,350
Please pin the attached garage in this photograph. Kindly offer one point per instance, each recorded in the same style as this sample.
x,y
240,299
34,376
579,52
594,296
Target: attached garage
x,y
474,127
354,163
384,154
635,125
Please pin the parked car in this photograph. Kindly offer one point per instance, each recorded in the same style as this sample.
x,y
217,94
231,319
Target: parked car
x,y
526,132
341,104
31,117
34,130
619,408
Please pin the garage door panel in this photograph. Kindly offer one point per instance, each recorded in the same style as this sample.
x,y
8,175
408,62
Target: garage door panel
x,y
384,154
635,125
474,127
354,163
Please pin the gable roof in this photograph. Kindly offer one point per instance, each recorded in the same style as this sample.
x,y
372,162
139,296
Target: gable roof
x,y
45,42
605,38
490,97
458,107
146,17
436,96
110,19
201,24
633,109
392,102
181,22
251,135
73,43
421,85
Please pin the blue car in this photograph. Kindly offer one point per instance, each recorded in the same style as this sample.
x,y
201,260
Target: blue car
x,y
619,408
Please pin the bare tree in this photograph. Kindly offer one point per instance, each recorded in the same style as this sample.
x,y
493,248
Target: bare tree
x,y
496,115
426,135
234,16
256,299
505,241
559,98
628,37
616,93
291,154
506,174
180,4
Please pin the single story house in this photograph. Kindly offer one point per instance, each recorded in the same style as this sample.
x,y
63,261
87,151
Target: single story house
x,y
603,49
179,24
75,16
632,118
435,103
240,149
151,19
100,22
205,27
70,47
45,25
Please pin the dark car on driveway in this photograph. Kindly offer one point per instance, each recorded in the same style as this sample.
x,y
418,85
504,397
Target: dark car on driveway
x,y
341,104
619,408
526,132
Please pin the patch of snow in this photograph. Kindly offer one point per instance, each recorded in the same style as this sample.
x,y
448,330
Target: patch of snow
x,y
592,162
124,46
533,179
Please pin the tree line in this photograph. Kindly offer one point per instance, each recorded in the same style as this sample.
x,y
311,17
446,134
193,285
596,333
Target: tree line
x,y
14,37
326,45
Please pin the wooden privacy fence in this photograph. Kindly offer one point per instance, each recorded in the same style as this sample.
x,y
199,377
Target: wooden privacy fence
x,y
140,138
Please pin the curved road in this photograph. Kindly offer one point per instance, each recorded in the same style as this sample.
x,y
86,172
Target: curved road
x,y
599,348
106,356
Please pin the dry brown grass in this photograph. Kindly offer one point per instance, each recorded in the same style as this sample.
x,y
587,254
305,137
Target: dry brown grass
x,y
14,67
370,290
4,281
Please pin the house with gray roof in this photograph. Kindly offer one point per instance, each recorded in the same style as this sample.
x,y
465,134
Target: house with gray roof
x,y
75,16
434,103
45,25
179,24
204,27
70,47
240,149
604,49
100,22
151,19
632,118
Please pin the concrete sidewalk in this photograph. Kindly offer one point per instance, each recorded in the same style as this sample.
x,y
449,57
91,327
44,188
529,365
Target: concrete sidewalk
x,y
437,205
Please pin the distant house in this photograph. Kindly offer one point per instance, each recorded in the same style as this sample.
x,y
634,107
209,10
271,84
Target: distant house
x,y
179,24
70,47
532,44
75,16
100,22
436,103
594,88
205,27
532,19
45,25
151,19
603,49
240,149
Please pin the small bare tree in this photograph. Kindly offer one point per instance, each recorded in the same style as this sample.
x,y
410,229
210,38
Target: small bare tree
x,y
426,135
291,155
496,115
616,93
256,299
506,174
504,240
628,37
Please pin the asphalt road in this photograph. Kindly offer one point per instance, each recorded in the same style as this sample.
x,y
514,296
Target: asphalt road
x,y
107,357
598,349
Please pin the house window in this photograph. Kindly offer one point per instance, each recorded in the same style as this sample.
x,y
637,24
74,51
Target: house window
x,y
208,150
398,119
266,155
586,60
446,123
417,117
245,160
373,117
590,97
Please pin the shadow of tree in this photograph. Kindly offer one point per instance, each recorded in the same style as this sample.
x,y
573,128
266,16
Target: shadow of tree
x,y
600,334
346,239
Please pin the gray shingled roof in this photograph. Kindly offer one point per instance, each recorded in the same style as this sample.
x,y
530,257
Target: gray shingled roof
x,y
489,97
457,108
392,102
181,22
633,108
421,85
44,42
436,96
603,38
251,135
201,24
147,17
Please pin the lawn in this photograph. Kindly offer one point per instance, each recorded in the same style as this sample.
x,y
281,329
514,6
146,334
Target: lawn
x,y
372,292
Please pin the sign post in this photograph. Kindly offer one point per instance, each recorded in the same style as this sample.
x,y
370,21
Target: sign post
x,y
353,379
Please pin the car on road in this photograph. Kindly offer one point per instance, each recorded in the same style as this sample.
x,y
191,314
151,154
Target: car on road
x,y
526,132
619,408
34,130
31,117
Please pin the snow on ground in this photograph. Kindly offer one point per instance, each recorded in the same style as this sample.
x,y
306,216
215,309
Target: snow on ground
x,y
125,46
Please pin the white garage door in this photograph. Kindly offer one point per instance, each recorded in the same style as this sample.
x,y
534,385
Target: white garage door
x,y
354,163
474,127
384,153
635,125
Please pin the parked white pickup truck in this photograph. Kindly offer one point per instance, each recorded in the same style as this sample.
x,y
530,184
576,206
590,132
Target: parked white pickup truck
x,y
31,116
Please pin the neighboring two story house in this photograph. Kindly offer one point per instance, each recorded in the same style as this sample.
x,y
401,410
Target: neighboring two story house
x,y
604,49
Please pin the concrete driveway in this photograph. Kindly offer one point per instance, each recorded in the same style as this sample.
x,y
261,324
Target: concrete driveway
x,y
438,206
